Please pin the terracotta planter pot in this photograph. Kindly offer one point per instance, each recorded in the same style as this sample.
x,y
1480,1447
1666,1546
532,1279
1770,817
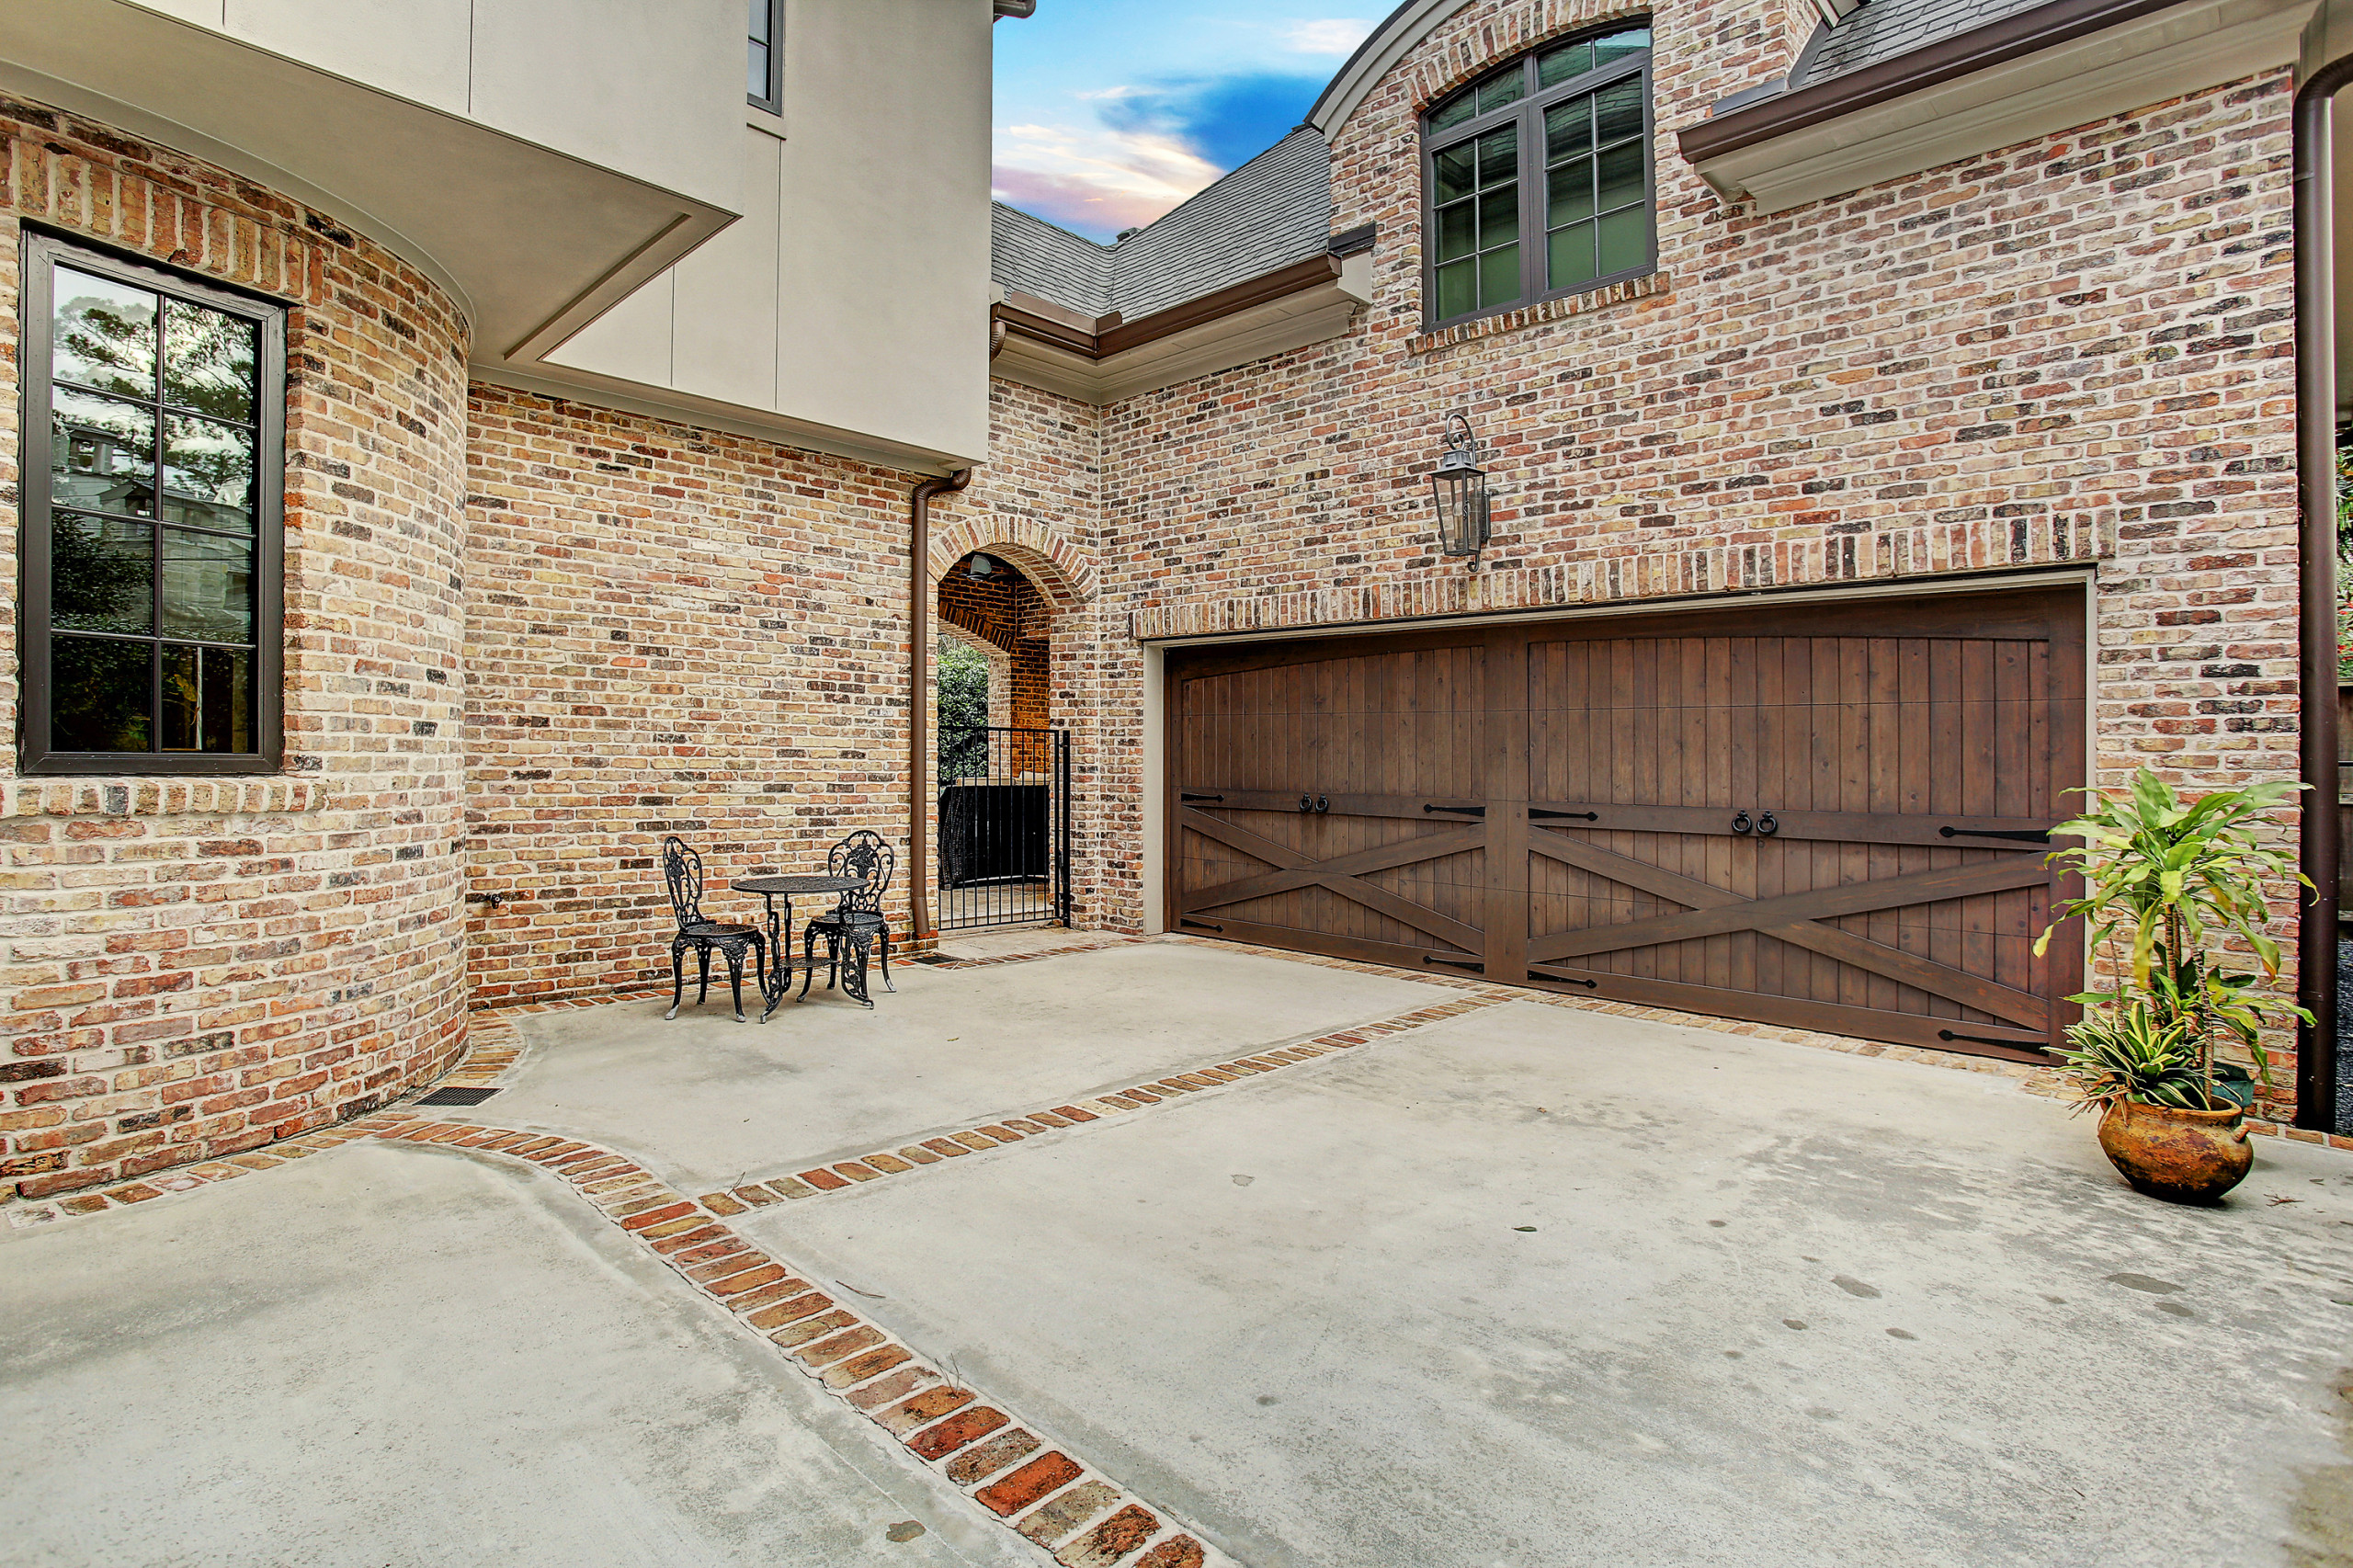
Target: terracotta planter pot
x,y
2187,1156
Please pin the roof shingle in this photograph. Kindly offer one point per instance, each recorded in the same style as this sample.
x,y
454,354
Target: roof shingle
x,y
1885,29
1272,211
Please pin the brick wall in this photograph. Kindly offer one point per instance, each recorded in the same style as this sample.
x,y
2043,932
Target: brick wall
x,y
2075,350
1006,612
196,967
669,630
1040,503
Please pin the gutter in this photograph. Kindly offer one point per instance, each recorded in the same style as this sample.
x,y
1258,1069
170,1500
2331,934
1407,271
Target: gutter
x,y
2313,163
1997,43
1100,337
918,717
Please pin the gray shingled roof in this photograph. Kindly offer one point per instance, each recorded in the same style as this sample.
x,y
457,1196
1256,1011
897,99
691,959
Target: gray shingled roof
x,y
1885,29
1036,257
1273,210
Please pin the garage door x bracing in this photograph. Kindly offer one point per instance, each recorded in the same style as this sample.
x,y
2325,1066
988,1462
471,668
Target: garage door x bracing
x,y
1824,816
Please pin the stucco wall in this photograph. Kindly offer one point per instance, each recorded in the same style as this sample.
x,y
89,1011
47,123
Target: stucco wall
x,y
196,967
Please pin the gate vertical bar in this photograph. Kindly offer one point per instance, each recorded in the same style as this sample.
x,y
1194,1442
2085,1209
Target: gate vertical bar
x,y
1062,828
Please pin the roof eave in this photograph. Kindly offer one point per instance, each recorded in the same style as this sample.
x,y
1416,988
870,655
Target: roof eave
x,y
2024,33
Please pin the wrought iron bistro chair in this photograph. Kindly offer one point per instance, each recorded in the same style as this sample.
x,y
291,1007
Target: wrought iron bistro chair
x,y
682,869
857,922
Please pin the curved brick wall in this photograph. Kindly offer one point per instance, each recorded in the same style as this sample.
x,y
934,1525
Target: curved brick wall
x,y
198,967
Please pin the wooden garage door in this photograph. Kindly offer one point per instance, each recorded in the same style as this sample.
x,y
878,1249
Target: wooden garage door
x,y
1825,816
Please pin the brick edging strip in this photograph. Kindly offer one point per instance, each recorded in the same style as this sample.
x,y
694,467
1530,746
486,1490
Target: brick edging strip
x,y
1020,1480
847,1174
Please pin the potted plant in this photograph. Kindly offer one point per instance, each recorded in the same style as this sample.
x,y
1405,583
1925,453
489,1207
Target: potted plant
x,y
2164,881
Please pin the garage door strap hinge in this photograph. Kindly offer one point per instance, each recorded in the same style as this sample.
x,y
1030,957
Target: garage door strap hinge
x,y
1466,810
1989,1040
1183,795
1204,925
1580,816
1455,963
2029,835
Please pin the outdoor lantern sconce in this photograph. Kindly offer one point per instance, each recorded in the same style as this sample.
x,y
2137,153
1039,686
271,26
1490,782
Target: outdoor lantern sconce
x,y
1458,492
980,566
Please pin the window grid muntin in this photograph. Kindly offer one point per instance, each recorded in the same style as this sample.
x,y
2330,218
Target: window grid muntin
x,y
764,56
1526,111
44,254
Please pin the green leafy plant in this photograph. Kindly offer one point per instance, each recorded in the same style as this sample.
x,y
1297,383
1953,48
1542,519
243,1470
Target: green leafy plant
x,y
963,709
2129,1052
2164,880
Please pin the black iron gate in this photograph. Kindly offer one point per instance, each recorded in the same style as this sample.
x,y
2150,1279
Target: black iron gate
x,y
1003,826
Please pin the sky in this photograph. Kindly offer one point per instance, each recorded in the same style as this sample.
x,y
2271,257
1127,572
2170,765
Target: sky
x,y
1109,112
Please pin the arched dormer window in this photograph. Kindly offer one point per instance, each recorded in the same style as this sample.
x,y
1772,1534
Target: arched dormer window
x,y
1538,178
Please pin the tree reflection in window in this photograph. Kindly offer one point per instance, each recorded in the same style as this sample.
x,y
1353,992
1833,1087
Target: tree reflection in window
x,y
154,532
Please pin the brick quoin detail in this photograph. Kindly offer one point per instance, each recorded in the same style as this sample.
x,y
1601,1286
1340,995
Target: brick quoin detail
x,y
199,967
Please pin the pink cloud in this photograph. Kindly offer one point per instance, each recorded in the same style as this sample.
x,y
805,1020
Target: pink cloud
x,y
1078,203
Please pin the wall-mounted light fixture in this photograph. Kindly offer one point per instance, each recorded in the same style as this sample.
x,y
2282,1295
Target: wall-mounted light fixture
x,y
1458,492
980,566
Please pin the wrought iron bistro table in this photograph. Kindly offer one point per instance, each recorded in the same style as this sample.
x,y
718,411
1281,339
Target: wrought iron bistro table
x,y
779,973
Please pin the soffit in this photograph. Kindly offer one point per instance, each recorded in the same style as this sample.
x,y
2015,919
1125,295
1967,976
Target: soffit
x,y
2028,91
530,243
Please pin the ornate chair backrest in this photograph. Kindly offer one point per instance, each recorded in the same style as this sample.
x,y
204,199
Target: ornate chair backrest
x,y
682,869
867,855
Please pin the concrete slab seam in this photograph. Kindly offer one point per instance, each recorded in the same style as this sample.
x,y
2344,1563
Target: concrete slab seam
x,y
846,1175
1021,1478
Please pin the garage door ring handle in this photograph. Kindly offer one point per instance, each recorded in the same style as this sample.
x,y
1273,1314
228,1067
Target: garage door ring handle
x,y
1767,825
1741,823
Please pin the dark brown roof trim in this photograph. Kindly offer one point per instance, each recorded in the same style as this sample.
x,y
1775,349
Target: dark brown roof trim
x,y
2027,32
1044,321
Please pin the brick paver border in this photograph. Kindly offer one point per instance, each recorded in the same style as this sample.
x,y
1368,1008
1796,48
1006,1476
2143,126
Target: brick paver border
x,y
845,1175
1020,1479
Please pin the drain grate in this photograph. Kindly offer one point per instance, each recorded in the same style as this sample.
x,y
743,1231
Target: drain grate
x,y
936,958
457,1097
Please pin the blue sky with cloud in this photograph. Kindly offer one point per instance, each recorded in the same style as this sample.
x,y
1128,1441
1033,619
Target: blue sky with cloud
x,y
1109,112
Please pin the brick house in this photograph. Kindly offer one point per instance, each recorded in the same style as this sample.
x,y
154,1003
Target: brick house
x,y
1887,413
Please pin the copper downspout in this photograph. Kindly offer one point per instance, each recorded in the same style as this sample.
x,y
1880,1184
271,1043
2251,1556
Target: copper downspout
x,y
918,673
2316,577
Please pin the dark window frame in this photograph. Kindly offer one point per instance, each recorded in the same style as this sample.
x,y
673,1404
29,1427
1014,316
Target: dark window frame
x,y
1528,113
39,254
773,99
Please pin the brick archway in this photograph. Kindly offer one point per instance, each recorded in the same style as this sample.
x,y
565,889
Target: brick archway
x,y
1058,568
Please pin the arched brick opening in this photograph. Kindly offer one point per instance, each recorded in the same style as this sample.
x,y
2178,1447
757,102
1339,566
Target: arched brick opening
x,y
1058,568
1004,609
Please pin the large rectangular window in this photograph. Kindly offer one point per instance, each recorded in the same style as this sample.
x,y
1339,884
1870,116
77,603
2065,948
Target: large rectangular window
x,y
1538,178
153,462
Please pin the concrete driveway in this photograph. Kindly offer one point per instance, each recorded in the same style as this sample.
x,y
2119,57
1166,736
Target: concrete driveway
x,y
1526,1285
